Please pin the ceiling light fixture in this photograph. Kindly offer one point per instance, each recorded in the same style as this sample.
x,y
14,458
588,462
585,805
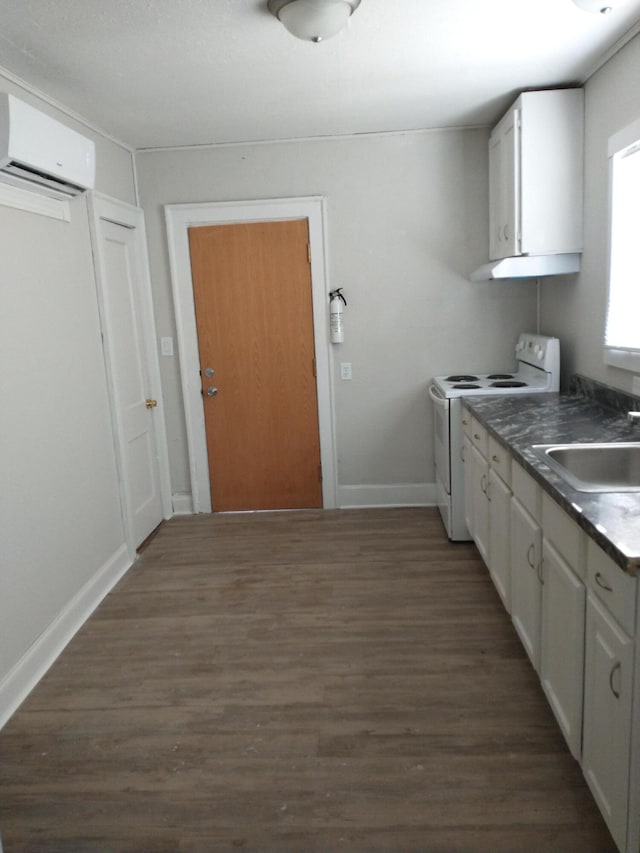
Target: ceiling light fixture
x,y
602,6
313,20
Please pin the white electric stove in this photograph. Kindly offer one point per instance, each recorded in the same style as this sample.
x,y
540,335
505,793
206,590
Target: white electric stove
x,y
537,371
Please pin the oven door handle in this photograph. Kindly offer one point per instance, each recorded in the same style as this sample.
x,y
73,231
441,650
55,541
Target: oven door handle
x,y
437,398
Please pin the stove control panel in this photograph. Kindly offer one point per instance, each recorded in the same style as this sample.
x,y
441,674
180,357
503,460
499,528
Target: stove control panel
x,y
540,351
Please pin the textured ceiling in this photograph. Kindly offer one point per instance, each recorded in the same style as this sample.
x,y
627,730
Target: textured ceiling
x,y
186,72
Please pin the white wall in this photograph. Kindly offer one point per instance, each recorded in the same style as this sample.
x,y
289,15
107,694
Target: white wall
x,y
574,308
60,520
407,222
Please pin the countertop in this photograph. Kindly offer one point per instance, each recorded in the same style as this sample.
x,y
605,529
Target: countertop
x,y
612,519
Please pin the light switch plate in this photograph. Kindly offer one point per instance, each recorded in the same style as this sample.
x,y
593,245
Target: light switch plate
x,y
166,346
345,370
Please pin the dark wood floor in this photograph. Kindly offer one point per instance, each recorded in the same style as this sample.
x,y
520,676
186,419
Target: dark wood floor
x,y
295,682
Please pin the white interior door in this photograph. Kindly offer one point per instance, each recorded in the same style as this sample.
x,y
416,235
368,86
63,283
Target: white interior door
x,y
131,359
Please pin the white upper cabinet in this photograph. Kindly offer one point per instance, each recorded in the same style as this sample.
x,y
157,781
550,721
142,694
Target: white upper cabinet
x,y
536,156
504,187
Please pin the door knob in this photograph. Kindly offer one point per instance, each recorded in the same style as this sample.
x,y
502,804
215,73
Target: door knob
x,y
151,404
209,371
212,391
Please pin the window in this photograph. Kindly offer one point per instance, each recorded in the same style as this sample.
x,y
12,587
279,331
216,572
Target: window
x,y
622,335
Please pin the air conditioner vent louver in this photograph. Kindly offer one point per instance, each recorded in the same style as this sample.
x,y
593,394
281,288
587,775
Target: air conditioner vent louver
x,y
41,154
26,174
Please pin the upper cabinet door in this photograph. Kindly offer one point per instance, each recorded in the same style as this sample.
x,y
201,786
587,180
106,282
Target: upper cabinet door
x,y
535,176
504,188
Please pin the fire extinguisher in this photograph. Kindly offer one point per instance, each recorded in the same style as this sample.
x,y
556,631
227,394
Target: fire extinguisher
x,y
336,323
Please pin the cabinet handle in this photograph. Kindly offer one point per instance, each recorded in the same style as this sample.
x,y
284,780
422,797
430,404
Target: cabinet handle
x,y
506,232
540,571
462,453
618,667
495,458
483,484
601,583
476,436
529,553
465,422
488,491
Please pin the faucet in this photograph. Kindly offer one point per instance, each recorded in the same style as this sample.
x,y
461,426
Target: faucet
x,y
633,417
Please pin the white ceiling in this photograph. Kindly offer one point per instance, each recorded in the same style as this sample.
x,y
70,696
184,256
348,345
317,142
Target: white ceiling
x,y
181,72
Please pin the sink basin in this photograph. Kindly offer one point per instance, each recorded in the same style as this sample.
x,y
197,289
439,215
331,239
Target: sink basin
x,y
613,467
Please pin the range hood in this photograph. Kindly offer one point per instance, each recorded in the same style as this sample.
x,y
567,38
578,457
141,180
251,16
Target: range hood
x,y
528,266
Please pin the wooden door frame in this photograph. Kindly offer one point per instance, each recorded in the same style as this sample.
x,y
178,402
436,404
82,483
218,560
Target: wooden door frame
x,y
179,218
102,207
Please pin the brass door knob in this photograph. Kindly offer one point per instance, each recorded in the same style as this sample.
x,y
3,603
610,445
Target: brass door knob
x,y
151,404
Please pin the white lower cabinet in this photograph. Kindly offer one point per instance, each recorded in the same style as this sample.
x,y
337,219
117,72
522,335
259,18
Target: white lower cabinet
x,y
562,644
607,717
526,554
575,612
479,502
499,537
487,504
468,484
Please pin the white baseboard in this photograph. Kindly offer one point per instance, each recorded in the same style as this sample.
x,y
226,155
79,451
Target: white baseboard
x,y
24,676
352,497
398,494
182,503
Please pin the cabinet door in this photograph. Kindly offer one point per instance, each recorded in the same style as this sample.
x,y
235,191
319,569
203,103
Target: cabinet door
x,y
526,548
468,484
496,194
480,504
499,537
562,644
504,187
607,716
551,171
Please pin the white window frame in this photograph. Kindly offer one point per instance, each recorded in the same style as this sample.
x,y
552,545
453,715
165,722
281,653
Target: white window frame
x,y
620,144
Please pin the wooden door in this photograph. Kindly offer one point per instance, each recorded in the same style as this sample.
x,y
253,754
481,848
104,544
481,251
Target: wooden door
x,y
118,252
252,291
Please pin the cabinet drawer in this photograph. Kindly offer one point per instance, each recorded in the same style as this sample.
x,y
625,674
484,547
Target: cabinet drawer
x,y
480,437
466,421
500,460
612,586
563,533
526,490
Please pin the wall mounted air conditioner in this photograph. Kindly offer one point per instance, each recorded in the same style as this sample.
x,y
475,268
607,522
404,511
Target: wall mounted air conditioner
x,y
41,154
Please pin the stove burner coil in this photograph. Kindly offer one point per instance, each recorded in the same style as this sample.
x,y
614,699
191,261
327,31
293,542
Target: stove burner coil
x,y
462,377
500,376
464,386
509,384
